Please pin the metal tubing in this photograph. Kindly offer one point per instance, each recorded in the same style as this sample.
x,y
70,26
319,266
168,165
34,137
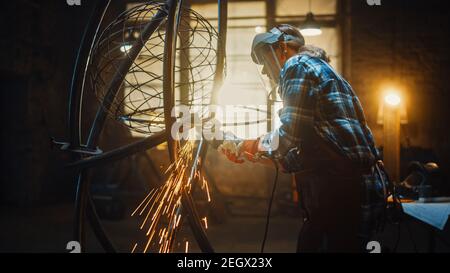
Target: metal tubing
x,y
119,153
169,72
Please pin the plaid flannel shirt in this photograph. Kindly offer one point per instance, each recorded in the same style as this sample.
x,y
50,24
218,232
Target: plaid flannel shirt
x,y
318,100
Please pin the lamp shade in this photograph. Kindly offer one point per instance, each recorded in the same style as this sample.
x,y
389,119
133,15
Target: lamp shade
x,y
310,27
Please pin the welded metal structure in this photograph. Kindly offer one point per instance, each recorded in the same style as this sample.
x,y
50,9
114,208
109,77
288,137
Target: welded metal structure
x,y
164,22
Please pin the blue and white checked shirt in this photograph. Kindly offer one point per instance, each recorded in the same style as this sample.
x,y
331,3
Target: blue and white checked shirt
x,y
318,101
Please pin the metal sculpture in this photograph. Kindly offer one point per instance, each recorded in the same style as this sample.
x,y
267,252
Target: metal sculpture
x,y
139,34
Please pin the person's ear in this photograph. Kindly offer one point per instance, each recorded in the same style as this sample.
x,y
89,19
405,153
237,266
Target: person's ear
x,y
283,47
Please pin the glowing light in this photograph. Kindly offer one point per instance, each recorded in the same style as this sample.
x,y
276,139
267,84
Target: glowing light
x,y
392,98
259,29
311,31
310,27
125,48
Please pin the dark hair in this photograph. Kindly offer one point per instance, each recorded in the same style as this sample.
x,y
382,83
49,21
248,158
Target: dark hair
x,y
291,30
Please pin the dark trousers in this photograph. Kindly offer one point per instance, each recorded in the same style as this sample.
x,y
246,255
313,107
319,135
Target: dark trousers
x,y
330,204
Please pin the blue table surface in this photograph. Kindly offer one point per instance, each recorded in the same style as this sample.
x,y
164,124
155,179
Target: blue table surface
x,y
435,214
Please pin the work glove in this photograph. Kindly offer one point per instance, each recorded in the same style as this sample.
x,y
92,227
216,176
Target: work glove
x,y
249,149
231,150
236,152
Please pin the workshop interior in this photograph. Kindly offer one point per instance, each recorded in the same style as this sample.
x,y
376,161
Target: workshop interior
x,y
141,126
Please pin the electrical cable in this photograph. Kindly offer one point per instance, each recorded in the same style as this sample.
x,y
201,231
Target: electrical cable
x,y
397,241
396,198
266,230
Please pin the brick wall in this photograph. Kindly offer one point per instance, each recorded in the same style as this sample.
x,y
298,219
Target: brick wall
x,y
405,43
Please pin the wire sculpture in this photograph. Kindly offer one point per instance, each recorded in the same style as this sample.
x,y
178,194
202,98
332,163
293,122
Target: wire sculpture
x,y
149,59
140,102
137,103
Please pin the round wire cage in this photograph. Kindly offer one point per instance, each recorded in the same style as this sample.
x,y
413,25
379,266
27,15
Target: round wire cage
x,y
139,104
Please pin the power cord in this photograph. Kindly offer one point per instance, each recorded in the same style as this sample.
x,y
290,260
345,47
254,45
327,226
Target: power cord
x,y
275,182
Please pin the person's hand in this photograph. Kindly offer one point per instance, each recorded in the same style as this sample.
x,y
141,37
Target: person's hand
x,y
232,156
231,151
249,148
246,148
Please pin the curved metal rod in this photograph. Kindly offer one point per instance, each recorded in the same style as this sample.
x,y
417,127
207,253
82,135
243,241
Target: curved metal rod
x,y
97,126
75,97
196,226
169,102
187,202
221,50
170,46
97,227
